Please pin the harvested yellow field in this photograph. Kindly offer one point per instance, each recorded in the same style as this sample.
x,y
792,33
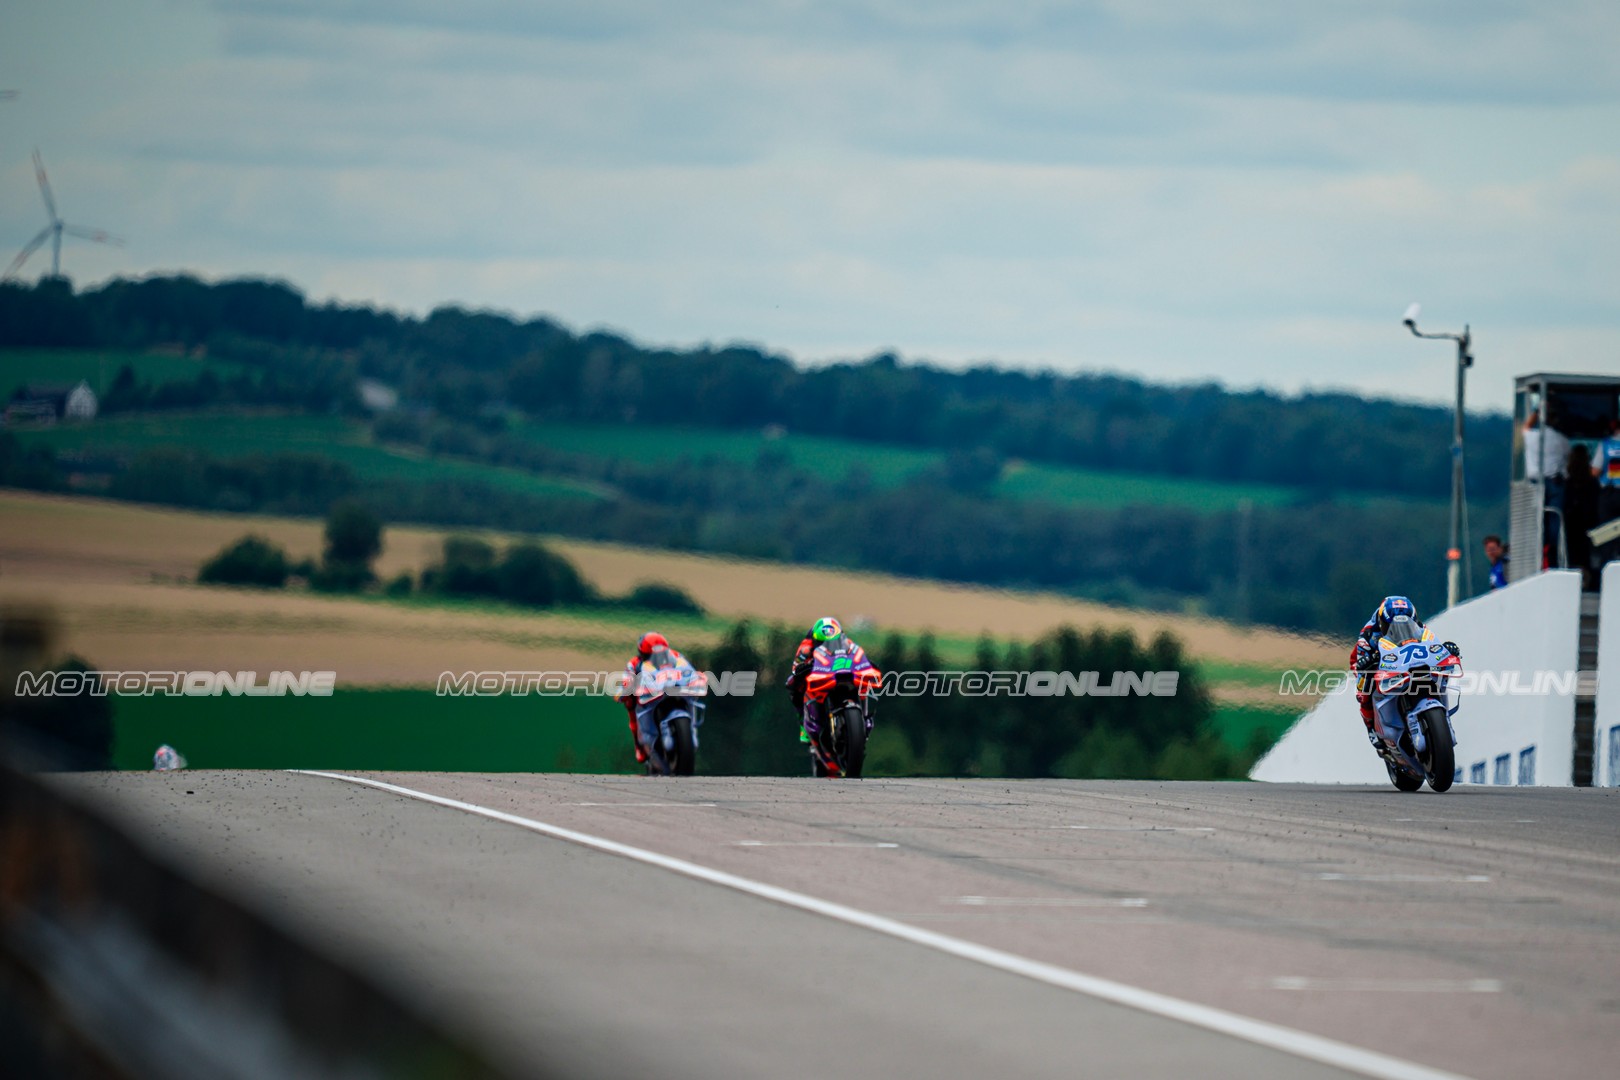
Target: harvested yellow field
x,y
116,574
158,627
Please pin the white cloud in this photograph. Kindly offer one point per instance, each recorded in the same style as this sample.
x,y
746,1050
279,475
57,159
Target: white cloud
x,y
1251,191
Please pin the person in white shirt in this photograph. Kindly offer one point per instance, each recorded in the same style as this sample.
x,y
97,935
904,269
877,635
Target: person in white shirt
x,y
1545,449
1546,455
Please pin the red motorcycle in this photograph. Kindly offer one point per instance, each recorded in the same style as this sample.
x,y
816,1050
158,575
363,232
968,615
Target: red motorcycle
x,y
841,681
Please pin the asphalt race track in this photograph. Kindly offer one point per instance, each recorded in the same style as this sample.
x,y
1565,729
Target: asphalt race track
x,y
1476,933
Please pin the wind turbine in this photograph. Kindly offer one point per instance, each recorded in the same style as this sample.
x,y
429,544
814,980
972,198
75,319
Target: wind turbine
x,y
53,232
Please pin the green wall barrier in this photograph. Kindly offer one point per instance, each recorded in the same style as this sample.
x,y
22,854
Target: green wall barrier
x,y
392,729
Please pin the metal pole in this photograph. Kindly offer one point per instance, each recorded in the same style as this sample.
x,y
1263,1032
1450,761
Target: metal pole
x,y
1459,511
1454,553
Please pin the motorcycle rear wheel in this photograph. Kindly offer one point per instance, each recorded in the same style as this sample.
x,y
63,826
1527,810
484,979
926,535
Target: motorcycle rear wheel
x,y
1402,779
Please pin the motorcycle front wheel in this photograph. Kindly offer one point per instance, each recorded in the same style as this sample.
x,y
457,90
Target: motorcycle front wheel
x,y
854,741
1441,756
683,760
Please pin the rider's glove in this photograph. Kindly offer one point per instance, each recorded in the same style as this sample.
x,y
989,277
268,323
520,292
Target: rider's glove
x,y
1366,657
1452,645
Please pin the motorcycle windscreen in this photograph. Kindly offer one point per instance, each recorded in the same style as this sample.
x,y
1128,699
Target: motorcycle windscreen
x,y
1404,629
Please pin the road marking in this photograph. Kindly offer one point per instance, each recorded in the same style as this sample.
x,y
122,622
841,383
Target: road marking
x,y
1275,1036
1044,901
810,843
640,804
1470,821
1091,917
1450,879
1137,828
1398,986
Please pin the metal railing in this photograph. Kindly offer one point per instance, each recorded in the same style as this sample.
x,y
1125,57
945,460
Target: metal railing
x,y
117,964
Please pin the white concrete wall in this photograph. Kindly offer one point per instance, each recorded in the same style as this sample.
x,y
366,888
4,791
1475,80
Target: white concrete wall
x,y
1606,742
1513,633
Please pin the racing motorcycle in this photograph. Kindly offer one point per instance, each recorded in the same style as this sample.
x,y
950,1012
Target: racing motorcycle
x,y
1410,709
675,691
841,679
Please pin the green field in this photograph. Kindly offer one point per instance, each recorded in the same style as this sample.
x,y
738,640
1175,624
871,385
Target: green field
x,y
1249,676
230,434
1089,487
98,367
659,444
834,457
347,441
410,730
227,433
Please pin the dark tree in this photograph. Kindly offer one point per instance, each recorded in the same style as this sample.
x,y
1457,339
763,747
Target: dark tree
x,y
530,574
252,560
353,533
467,568
353,540
654,596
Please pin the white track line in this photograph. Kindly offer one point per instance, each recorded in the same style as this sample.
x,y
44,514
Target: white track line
x,y
1298,1043
639,804
1467,879
812,843
1044,901
1136,828
1388,986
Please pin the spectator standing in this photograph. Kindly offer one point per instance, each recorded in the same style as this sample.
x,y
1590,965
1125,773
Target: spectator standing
x,y
1496,554
1580,512
1546,450
1606,467
1606,461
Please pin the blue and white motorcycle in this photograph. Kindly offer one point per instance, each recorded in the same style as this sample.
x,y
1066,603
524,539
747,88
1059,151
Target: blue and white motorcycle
x,y
1410,706
670,699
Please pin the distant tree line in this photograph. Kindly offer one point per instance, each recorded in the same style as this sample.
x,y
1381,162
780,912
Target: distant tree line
x,y
300,381
1313,566
960,735
464,364
525,573
353,540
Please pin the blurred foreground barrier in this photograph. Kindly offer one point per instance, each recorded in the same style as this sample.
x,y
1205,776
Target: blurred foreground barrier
x,y
113,964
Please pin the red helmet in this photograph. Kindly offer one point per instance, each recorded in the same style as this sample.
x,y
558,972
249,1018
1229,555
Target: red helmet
x,y
651,641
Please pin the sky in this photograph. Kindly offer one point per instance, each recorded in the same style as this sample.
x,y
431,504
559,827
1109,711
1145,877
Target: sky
x,y
1250,192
